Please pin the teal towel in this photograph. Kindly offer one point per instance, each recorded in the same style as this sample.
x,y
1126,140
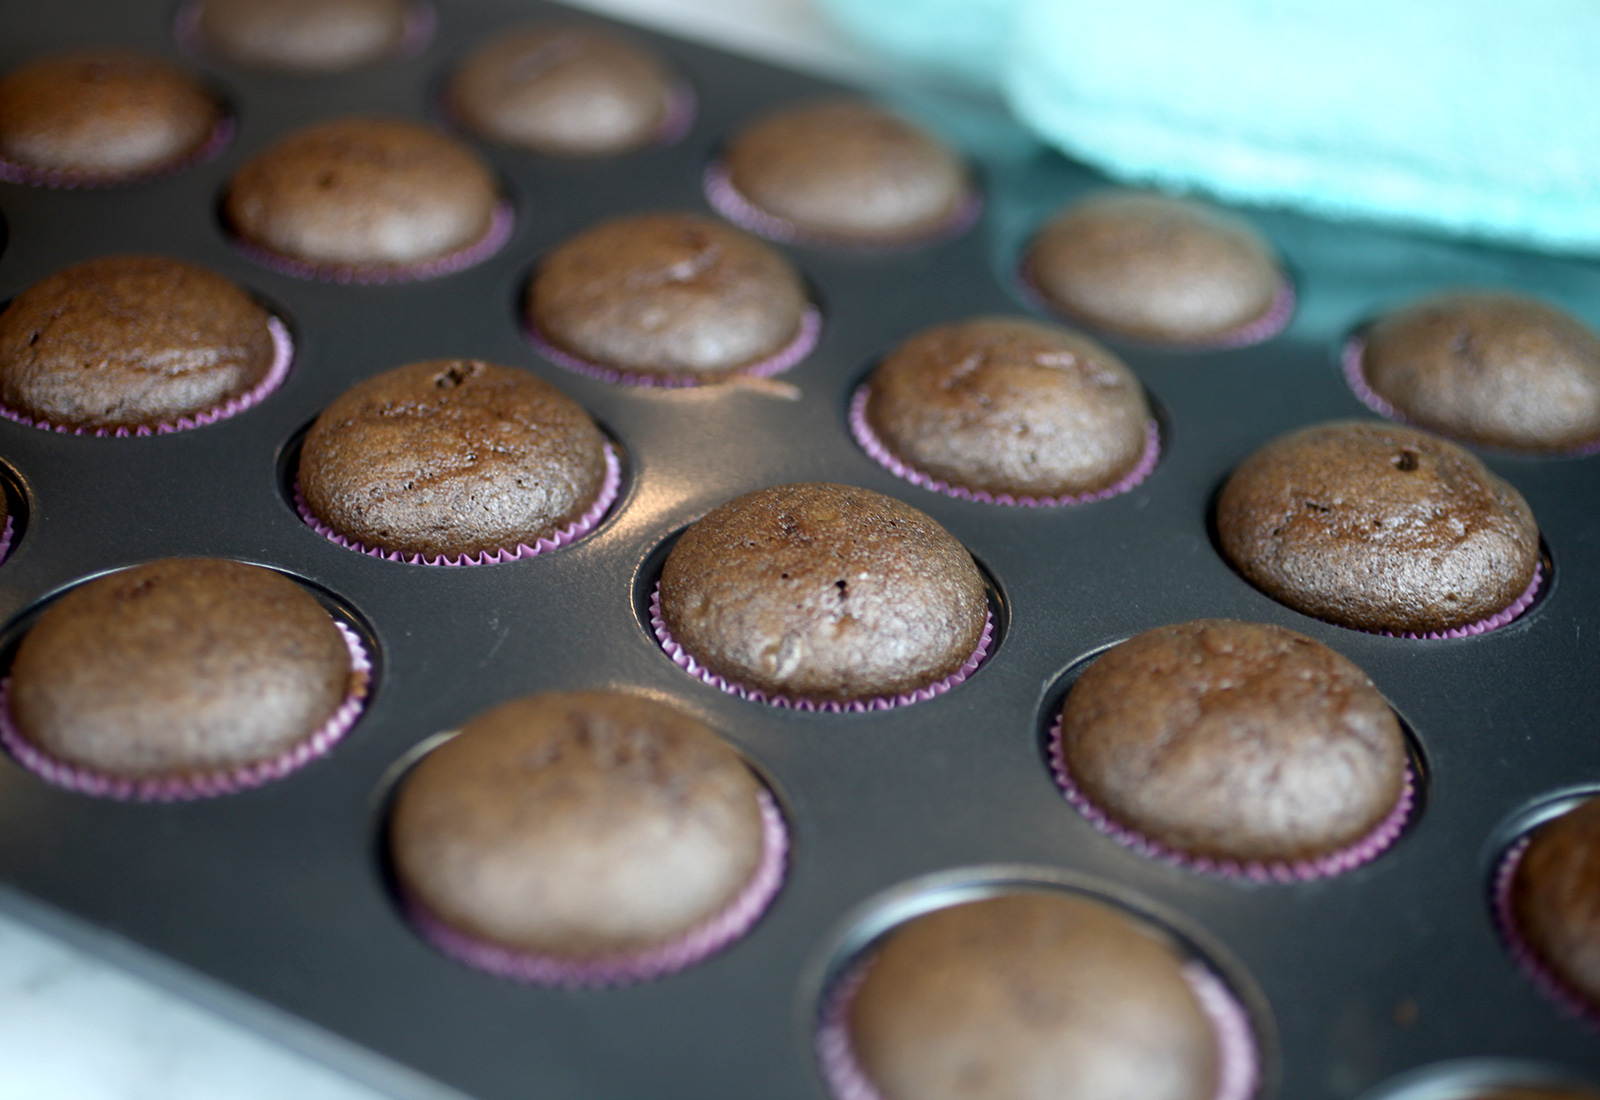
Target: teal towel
x,y
1474,117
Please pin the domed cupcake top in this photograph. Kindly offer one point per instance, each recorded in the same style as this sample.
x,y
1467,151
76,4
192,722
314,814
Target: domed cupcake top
x,y
1378,527
820,591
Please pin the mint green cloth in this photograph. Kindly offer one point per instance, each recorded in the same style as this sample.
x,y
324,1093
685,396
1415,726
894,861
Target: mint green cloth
x,y
1469,117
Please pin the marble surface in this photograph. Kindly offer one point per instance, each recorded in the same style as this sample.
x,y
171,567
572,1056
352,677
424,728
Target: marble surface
x,y
75,1027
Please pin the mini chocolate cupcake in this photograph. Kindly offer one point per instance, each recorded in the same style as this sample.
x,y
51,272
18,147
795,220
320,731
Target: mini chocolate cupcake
x,y
825,597
124,345
842,171
455,461
1487,368
567,91
1030,994
1160,269
584,838
1382,528
1549,904
178,679
367,200
669,299
1234,747
100,117
1008,410
302,36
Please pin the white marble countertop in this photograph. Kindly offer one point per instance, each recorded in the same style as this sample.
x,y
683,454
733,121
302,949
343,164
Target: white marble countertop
x,y
75,1027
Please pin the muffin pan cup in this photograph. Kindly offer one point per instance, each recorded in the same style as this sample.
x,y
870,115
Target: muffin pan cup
x,y
276,904
162,788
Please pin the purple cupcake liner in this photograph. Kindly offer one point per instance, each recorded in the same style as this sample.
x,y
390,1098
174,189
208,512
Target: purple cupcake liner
x,y
727,200
493,239
683,660
1351,364
1263,328
797,349
567,535
420,22
61,179
282,356
6,536
1527,959
1238,1064
694,946
879,452
210,785
1345,859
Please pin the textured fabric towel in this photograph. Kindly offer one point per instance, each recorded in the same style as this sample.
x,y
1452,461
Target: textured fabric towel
x,y
1474,117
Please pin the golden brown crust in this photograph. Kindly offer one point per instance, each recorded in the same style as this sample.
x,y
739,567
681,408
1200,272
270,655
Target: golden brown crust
x,y
1237,741
1006,405
1489,368
105,112
562,90
823,591
1378,527
1031,996
363,192
1555,898
451,456
123,341
848,169
578,825
302,35
667,294
1154,267
177,668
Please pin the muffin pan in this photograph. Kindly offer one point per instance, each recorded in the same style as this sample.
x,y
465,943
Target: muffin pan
x,y
275,903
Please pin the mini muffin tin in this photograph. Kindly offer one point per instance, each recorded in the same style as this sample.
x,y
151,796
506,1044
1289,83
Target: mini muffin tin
x,y
275,903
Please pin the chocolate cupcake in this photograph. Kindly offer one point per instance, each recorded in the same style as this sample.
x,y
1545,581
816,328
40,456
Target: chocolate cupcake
x,y
842,171
455,461
1487,368
302,36
106,116
567,91
1008,410
181,678
1160,269
367,200
1235,747
1549,901
1032,994
823,595
134,345
1382,528
669,299
584,838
